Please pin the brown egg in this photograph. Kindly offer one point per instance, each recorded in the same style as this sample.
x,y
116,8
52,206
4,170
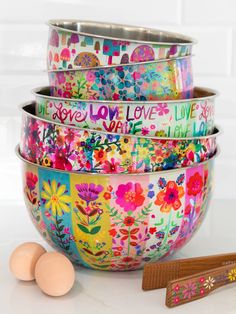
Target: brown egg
x,y
54,274
23,260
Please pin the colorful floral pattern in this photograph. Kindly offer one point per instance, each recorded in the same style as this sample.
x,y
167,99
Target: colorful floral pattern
x,y
70,50
171,119
191,289
64,148
114,222
162,80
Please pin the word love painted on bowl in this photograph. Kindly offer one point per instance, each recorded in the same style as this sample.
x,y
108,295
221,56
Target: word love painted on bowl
x,y
162,119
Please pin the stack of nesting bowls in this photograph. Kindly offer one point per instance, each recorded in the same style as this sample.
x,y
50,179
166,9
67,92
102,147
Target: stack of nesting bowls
x,y
118,151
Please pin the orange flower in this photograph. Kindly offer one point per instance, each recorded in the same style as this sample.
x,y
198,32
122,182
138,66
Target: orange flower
x,y
170,197
100,155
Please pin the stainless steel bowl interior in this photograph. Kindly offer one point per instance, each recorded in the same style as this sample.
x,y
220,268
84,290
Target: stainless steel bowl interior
x,y
121,32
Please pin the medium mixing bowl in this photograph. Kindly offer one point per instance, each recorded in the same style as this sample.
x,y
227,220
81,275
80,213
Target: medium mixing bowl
x,y
170,118
117,222
61,147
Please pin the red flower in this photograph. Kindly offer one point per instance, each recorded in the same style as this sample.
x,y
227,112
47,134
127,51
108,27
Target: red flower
x,y
31,180
61,161
116,253
127,259
187,210
70,135
195,184
152,230
112,232
116,96
128,221
107,196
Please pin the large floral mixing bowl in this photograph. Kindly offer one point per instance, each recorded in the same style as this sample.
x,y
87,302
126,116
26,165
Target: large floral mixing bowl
x,y
75,44
173,118
162,79
70,148
117,222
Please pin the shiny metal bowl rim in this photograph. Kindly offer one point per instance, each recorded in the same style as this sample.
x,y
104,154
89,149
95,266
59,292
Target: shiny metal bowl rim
x,y
181,169
189,40
36,92
217,130
100,67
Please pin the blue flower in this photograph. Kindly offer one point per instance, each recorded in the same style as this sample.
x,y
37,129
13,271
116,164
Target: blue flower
x,y
151,194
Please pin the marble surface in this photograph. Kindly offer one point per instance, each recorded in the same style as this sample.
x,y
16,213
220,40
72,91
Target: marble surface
x,y
98,292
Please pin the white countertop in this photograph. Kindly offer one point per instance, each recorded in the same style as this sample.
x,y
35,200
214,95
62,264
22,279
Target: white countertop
x,y
98,292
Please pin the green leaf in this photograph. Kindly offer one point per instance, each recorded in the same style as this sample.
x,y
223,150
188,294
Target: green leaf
x,y
95,230
83,228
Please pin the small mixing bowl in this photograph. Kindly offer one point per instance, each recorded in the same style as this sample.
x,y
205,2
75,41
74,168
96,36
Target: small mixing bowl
x,y
170,118
152,80
117,222
75,44
70,148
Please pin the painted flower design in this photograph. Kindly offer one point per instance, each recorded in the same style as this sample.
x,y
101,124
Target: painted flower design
x,y
162,109
189,290
209,282
55,197
195,184
170,197
232,275
31,180
130,196
89,192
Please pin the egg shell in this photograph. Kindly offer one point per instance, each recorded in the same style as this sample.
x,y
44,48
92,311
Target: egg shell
x,y
54,274
23,260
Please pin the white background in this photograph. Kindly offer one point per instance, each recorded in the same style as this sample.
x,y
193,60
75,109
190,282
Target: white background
x,y
23,41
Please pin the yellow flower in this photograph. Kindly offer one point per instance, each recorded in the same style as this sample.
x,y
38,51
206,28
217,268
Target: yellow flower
x,y
161,133
46,162
55,197
143,152
209,283
232,274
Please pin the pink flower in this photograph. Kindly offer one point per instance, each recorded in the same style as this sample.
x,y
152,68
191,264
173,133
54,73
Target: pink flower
x,y
112,166
52,226
162,109
42,225
136,75
90,77
176,300
129,196
66,230
189,290
176,288
145,131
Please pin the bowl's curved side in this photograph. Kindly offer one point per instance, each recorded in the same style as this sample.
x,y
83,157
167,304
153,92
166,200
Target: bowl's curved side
x,y
117,223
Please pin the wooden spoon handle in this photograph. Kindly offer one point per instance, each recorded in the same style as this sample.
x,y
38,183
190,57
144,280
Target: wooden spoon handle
x,y
198,286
